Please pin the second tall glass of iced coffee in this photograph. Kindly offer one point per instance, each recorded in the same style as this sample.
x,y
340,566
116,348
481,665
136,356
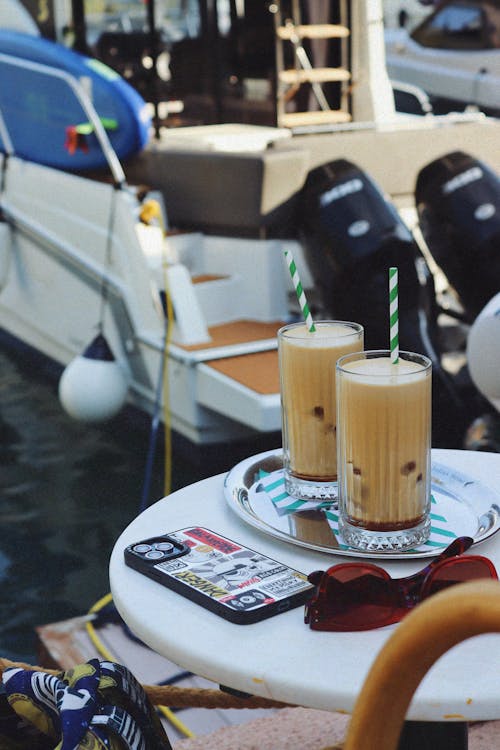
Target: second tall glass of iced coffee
x,y
384,434
307,362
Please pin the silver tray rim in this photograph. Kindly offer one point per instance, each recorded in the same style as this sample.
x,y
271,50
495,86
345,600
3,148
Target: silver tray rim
x,y
236,490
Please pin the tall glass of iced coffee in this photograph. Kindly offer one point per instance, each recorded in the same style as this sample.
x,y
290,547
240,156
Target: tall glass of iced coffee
x,y
307,362
384,450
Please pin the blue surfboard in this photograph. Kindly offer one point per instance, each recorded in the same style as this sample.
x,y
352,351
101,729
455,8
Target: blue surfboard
x,y
46,122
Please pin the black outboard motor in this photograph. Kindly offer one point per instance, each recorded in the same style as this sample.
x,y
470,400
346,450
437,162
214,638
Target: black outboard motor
x,y
458,202
351,236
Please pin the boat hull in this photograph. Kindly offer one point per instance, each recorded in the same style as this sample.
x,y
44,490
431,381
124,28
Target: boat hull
x,y
66,275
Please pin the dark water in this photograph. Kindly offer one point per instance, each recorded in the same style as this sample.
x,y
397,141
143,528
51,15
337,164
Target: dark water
x,y
67,490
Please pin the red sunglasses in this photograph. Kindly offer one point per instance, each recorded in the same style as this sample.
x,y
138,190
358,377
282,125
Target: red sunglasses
x,y
362,596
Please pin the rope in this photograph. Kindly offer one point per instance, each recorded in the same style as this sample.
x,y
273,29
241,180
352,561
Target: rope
x,y
101,648
206,698
177,697
151,210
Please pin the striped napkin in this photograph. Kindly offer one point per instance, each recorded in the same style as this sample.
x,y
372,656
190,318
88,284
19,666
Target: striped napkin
x,y
273,485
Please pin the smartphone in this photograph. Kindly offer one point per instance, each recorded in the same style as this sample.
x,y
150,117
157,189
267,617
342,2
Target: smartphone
x,y
235,582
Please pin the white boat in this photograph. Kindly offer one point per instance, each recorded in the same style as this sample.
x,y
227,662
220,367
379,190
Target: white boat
x,y
75,257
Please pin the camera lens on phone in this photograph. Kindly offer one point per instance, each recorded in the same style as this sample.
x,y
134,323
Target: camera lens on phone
x,y
164,546
154,554
141,549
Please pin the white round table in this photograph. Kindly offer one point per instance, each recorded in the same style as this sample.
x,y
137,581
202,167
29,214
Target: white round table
x,y
281,658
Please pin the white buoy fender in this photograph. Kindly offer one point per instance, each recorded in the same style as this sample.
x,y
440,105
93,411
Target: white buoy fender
x,y
483,351
93,387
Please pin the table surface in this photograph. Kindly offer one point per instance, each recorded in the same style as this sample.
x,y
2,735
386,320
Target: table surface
x,y
281,658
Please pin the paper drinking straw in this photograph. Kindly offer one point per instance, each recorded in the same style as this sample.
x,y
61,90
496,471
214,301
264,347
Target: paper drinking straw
x,y
394,315
299,291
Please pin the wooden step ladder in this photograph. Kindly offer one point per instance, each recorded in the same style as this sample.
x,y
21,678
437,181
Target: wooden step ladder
x,y
289,30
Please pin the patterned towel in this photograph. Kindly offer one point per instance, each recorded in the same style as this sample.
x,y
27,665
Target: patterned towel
x,y
95,706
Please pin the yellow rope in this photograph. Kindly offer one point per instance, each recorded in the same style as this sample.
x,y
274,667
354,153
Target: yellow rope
x,y
151,210
101,648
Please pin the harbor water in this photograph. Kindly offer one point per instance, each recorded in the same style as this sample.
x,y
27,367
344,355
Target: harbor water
x,y
68,489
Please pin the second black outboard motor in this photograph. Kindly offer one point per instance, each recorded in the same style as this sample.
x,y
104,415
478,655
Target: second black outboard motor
x,y
458,202
351,236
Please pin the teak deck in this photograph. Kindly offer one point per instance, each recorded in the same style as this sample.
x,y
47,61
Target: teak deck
x,y
257,370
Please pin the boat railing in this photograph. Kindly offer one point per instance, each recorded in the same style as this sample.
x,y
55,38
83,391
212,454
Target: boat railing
x,y
85,102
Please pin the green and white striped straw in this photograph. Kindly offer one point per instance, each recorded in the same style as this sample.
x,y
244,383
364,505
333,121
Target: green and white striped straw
x,y
299,291
394,315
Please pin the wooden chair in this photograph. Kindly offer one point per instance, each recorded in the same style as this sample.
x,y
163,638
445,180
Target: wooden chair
x,y
437,624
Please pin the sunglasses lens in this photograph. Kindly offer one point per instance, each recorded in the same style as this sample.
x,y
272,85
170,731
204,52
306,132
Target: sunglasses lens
x,y
458,570
353,597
